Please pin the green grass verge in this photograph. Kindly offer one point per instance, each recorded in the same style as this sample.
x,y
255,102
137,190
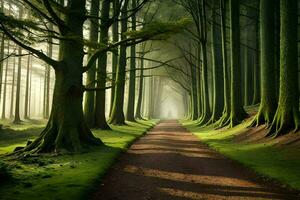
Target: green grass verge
x,y
68,176
276,162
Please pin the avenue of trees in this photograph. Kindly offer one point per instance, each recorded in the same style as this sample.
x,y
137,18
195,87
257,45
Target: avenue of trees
x,y
84,64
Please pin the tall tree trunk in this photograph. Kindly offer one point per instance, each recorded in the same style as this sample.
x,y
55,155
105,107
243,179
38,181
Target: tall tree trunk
x,y
115,57
138,113
217,74
89,103
237,111
5,84
248,63
117,115
268,103
48,76
100,119
132,81
12,96
225,119
206,111
256,66
66,129
26,108
287,116
17,118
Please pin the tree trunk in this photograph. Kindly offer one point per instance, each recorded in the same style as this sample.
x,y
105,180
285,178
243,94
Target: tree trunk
x,y
268,103
66,129
256,65
117,115
225,119
115,57
138,113
89,103
218,103
26,111
132,81
237,111
5,85
100,119
12,90
287,116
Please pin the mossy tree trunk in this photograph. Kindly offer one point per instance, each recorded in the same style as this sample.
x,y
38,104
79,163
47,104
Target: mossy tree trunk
x,y
237,111
26,106
217,71
225,119
138,113
117,115
100,107
287,116
256,66
268,103
66,129
3,116
115,38
17,118
132,82
206,111
89,103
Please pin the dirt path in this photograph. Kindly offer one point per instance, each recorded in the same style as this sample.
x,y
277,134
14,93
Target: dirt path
x,y
170,163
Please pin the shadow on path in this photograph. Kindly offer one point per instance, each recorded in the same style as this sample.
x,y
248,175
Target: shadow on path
x,y
169,163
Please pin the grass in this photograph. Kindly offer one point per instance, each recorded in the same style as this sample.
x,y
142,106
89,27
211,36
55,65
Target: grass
x,y
277,162
68,176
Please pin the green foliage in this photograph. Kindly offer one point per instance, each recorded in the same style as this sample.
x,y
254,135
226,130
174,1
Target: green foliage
x,y
160,30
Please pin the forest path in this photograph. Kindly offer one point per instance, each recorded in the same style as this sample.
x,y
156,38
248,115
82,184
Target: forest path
x,y
169,163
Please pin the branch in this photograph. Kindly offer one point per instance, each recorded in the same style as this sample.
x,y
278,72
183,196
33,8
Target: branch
x,y
60,22
40,54
97,89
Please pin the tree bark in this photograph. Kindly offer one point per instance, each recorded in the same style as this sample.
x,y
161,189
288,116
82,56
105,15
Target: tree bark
x,y
268,103
89,103
100,118
237,111
117,115
132,81
67,130
287,116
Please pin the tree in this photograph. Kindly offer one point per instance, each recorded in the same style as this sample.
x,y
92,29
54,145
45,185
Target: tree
x,y
89,103
26,106
268,103
217,74
100,118
132,81
117,116
287,116
225,119
237,111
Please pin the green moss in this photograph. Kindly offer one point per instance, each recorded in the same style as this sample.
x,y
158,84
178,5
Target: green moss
x,y
69,176
265,158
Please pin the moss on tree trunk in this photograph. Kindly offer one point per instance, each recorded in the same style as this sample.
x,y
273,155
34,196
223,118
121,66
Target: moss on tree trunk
x,y
268,103
287,116
237,111
67,130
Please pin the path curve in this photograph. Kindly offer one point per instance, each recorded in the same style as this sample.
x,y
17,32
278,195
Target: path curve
x,y
169,163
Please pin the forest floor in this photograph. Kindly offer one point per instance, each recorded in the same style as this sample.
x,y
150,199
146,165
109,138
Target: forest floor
x,y
170,163
66,177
